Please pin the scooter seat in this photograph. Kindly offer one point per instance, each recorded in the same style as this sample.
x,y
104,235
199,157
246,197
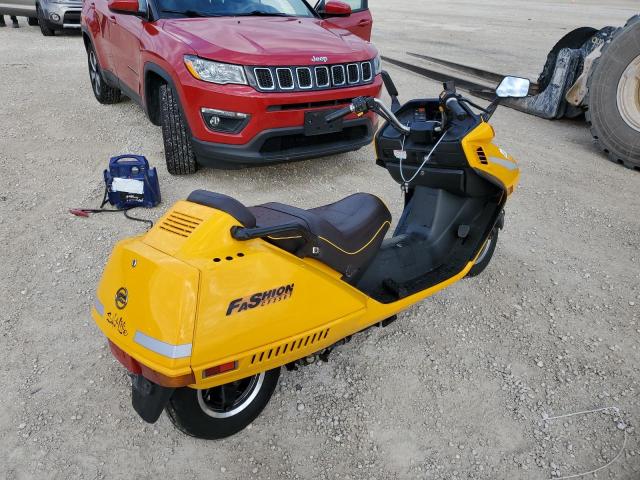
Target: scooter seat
x,y
344,235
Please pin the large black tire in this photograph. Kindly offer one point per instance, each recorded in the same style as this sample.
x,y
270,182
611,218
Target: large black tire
x,y
104,93
45,26
178,150
486,254
32,21
200,413
616,133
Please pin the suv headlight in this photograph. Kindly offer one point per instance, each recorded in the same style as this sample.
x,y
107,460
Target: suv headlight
x,y
215,72
377,65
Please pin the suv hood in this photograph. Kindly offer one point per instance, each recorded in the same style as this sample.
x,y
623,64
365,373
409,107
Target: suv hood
x,y
269,40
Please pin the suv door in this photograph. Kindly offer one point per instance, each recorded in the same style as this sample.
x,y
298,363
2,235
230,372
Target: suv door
x,y
360,22
126,42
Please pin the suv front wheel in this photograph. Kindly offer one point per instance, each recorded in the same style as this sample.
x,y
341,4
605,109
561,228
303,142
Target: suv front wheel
x,y
178,151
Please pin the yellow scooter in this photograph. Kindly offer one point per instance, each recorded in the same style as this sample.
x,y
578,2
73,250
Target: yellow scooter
x,y
205,308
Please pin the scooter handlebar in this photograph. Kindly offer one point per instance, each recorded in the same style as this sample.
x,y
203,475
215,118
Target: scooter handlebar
x,y
453,104
343,112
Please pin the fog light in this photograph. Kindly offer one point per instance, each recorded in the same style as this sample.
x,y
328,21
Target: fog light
x,y
223,121
55,17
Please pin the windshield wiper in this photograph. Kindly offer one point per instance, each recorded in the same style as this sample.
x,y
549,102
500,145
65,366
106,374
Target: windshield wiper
x,y
190,13
260,13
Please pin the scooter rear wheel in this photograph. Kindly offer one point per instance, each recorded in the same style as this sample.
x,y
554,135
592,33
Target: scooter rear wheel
x,y
485,256
222,411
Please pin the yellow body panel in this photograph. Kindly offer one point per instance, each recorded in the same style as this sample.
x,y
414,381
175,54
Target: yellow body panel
x,y
162,293
321,309
246,302
498,165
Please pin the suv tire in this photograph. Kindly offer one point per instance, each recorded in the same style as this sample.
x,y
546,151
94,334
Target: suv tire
x,y
32,21
178,151
104,93
45,27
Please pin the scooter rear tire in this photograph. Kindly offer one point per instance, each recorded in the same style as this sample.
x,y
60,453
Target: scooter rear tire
x,y
211,415
485,255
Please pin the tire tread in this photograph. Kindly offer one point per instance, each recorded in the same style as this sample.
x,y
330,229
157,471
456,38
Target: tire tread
x,y
596,134
178,151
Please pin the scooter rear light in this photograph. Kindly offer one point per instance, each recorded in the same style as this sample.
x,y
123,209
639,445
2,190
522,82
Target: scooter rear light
x,y
218,369
125,359
164,381
138,369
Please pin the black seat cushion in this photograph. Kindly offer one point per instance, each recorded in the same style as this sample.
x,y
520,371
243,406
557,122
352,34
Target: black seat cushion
x,y
224,203
347,234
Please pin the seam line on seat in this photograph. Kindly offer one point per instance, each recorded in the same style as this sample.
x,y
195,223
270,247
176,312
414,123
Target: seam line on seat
x,y
283,238
387,223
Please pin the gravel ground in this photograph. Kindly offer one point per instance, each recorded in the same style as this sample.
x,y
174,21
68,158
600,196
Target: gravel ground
x,y
458,388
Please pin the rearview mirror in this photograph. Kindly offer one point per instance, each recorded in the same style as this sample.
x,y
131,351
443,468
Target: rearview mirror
x,y
513,87
125,6
334,8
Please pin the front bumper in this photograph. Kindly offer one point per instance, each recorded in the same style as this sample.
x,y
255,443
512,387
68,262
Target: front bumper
x,y
271,115
62,15
285,145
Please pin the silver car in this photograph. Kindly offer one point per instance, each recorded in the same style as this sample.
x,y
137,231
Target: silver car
x,y
52,15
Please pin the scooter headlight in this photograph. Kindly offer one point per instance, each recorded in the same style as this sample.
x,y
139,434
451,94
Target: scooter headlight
x,y
377,65
215,72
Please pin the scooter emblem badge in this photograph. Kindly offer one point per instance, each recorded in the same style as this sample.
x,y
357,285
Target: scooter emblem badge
x,y
122,297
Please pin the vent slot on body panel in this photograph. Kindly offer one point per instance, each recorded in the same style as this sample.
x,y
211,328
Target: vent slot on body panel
x,y
290,346
180,223
482,156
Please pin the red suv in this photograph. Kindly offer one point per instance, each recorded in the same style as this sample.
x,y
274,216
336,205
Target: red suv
x,y
237,82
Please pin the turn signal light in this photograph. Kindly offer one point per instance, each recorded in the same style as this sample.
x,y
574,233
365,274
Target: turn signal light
x,y
218,369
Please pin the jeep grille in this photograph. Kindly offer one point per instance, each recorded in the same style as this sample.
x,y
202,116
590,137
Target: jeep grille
x,y
264,78
287,79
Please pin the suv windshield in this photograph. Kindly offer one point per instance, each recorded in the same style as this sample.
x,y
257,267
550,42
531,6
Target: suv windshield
x,y
235,8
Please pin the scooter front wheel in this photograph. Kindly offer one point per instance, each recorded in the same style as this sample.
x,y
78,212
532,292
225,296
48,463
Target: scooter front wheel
x,y
486,254
222,411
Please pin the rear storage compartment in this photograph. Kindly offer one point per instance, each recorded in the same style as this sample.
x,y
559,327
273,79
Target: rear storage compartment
x,y
146,306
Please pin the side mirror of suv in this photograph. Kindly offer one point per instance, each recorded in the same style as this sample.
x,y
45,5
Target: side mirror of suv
x,y
125,6
335,8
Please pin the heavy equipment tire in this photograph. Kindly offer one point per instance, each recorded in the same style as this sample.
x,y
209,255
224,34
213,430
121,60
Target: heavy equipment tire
x,y
32,21
104,93
178,150
45,27
614,96
485,256
222,411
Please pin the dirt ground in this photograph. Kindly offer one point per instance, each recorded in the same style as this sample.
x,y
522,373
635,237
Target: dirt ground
x,y
456,389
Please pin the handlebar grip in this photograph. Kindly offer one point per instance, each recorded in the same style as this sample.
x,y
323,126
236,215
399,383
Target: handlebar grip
x,y
454,105
343,112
